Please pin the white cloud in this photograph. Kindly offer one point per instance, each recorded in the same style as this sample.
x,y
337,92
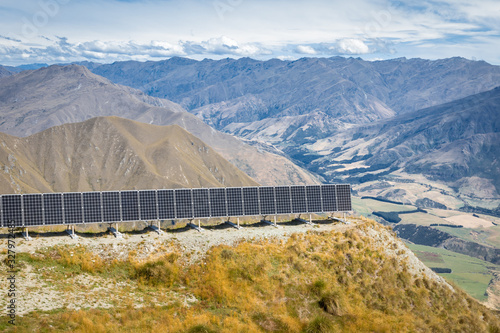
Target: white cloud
x,y
353,46
304,49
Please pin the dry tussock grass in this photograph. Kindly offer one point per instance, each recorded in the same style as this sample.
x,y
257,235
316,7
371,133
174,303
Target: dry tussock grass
x,y
314,282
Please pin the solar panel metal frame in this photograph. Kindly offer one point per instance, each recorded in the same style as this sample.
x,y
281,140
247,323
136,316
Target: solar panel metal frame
x,y
184,203
166,204
33,209
115,206
314,202
299,199
344,202
218,203
148,205
53,212
12,211
329,198
234,198
201,203
92,207
267,200
283,200
73,214
251,202
130,206
111,206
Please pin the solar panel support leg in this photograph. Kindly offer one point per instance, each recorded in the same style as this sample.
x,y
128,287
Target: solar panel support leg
x,y
71,232
156,228
237,226
115,231
196,227
271,223
26,235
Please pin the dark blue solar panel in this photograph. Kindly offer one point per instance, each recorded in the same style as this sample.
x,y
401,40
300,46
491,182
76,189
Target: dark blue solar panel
x,y
234,201
111,210
267,201
53,208
73,208
201,203
148,207
33,209
344,198
313,196
251,200
130,205
184,204
283,201
12,210
298,199
92,207
329,198
218,202
166,204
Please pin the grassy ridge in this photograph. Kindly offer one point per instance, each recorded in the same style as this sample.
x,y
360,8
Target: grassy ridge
x,y
315,282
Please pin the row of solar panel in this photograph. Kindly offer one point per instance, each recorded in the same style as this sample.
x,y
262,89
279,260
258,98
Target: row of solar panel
x,y
117,206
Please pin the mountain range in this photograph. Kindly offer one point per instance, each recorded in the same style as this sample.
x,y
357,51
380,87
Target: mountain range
x,y
35,100
347,119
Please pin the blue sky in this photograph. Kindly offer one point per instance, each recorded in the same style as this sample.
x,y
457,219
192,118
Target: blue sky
x,y
61,31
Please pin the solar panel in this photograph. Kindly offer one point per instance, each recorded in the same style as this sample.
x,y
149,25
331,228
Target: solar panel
x,y
234,201
92,207
130,205
298,199
267,201
73,212
218,205
12,210
184,204
313,197
53,208
147,204
344,198
111,210
329,198
283,202
201,202
166,204
251,200
33,209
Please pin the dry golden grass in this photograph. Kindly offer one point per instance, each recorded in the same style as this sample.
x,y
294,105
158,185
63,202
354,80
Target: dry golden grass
x,y
314,282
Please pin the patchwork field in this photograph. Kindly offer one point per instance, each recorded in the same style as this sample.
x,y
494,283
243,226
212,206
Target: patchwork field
x,y
471,274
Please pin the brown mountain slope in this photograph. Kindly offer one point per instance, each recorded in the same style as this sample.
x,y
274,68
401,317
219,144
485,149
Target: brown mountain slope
x,y
110,153
33,101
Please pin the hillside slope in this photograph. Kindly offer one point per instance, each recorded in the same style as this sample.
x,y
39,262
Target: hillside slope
x,y
32,101
457,144
111,153
356,278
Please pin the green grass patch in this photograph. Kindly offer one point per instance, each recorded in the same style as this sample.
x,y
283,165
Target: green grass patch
x,y
471,274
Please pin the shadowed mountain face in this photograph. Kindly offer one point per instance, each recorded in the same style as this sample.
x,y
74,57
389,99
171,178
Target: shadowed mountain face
x,y
457,143
295,102
33,101
4,72
111,153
